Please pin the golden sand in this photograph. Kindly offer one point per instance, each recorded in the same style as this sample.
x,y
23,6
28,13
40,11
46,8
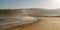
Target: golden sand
x,y
46,23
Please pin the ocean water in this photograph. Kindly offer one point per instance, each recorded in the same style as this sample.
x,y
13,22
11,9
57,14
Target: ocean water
x,y
11,22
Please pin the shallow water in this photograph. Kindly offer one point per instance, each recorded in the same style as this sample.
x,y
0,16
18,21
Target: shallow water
x,y
6,23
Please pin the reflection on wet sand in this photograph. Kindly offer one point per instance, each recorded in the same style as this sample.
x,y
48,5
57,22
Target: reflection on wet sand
x,y
47,23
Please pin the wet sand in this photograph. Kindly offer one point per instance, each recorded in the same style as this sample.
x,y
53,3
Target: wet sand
x,y
46,23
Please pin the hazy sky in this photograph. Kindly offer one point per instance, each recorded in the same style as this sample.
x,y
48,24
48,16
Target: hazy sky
x,y
29,4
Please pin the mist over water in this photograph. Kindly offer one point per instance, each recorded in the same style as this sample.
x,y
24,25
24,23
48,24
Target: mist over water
x,y
52,14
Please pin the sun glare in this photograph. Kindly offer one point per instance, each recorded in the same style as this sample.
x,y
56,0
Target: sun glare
x,y
57,1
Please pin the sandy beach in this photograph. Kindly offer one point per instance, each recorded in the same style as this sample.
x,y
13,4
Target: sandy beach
x,y
46,23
